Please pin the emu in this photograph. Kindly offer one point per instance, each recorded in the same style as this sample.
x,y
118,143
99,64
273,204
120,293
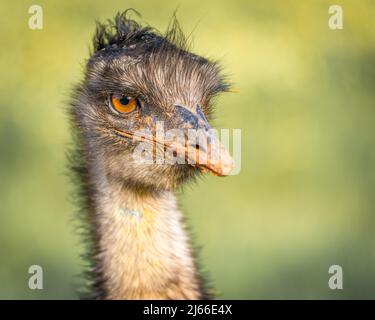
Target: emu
x,y
135,77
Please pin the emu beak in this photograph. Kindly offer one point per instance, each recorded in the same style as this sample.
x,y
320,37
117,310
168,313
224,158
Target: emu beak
x,y
202,148
199,147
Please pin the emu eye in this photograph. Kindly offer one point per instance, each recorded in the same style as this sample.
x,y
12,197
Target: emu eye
x,y
124,104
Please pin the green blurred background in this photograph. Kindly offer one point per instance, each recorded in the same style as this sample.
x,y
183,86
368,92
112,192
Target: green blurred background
x,y
304,199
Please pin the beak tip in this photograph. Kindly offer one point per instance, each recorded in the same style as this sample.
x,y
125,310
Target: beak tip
x,y
226,169
221,169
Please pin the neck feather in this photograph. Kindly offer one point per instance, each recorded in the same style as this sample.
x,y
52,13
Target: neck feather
x,y
143,249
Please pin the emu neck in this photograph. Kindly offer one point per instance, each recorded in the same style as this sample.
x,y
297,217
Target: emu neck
x,y
144,251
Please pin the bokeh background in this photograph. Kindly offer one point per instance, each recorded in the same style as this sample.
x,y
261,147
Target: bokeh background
x,y
304,199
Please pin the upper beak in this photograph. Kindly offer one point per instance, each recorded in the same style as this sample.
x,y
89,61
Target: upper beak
x,y
202,148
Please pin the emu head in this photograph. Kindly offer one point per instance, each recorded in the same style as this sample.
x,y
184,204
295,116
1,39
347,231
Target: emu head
x,y
136,81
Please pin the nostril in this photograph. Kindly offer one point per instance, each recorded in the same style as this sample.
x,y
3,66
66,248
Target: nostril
x,y
198,146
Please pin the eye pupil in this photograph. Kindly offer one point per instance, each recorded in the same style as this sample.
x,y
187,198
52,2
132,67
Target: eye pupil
x,y
124,100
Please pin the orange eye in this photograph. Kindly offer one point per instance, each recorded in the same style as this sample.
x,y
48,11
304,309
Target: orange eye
x,y
124,104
